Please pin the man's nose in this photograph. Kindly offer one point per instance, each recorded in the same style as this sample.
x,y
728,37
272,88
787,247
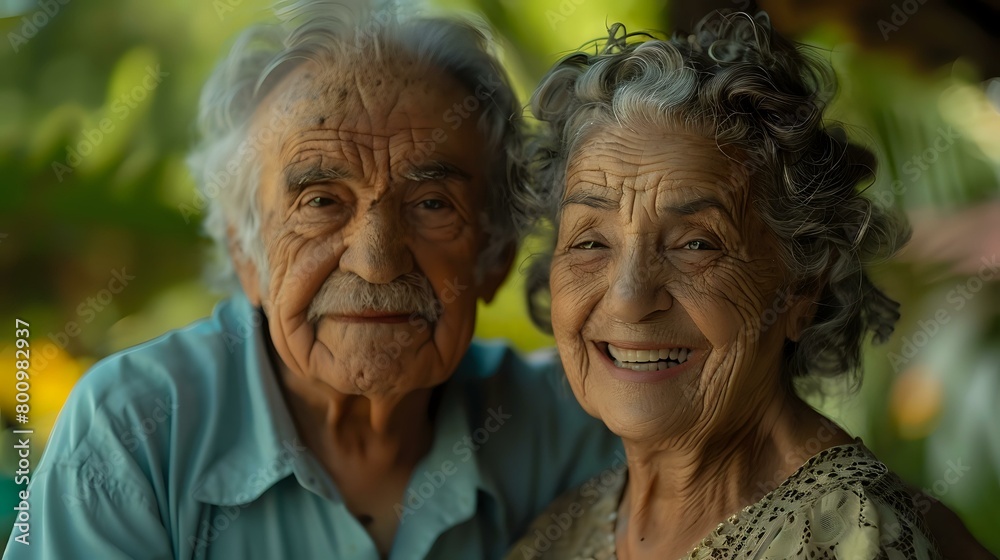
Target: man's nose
x,y
377,250
637,287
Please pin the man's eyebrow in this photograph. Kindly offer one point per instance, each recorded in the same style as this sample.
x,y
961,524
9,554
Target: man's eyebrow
x,y
590,199
433,171
298,177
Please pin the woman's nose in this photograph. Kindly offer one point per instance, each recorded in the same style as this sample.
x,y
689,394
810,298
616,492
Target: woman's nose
x,y
637,287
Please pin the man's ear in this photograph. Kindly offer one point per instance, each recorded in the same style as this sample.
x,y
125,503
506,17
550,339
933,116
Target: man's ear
x,y
246,270
495,274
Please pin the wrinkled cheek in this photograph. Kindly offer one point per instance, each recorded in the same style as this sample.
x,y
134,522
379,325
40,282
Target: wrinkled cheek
x,y
575,289
569,306
310,264
451,272
575,294
723,307
456,324
717,321
718,371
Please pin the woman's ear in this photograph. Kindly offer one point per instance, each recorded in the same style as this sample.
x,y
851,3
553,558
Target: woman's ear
x,y
495,274
246,270
801,313
803,304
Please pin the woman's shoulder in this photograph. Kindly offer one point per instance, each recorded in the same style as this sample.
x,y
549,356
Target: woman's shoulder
x,y
843,502
842,468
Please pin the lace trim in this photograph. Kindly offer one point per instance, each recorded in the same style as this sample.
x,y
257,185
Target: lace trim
x,y
841,491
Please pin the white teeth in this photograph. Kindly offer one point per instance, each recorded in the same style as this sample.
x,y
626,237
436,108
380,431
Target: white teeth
x,y
647,366
648,360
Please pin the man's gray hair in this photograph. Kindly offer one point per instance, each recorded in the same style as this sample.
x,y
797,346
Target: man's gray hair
x,y
762,99
225,164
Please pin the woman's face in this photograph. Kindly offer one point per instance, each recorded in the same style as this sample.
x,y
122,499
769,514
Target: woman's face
x,y
666,287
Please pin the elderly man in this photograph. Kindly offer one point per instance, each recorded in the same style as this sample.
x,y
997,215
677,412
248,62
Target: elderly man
x,y
363,178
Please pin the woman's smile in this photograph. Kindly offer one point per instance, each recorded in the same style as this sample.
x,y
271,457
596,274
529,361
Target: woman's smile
x,y
646,362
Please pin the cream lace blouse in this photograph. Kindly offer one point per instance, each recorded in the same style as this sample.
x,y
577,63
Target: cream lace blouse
x,y
842,503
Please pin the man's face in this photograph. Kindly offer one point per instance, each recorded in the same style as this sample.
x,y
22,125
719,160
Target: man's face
x,y
371,199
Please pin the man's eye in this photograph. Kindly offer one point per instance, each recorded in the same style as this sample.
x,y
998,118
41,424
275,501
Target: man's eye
x,y
698,245
432,204
588,245
320,201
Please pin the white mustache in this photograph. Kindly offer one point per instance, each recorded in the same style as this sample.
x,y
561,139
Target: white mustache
x,y
345,293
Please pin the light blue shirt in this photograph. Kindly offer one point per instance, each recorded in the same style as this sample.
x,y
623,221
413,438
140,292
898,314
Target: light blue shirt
x,y
183,447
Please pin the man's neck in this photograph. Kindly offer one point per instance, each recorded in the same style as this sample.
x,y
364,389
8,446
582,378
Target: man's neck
x,y
393,429
377,432
368,446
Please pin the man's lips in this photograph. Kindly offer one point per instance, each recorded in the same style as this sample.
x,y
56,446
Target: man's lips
x,y
371,317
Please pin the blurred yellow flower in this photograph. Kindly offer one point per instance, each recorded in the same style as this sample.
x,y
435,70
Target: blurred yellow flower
x,y
53,374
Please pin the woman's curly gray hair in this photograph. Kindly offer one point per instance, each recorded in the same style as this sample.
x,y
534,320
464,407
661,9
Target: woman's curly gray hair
x,y
763,99
225,163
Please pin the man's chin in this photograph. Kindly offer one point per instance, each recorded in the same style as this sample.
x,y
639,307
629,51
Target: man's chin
x,y
377,345
377,327
380,372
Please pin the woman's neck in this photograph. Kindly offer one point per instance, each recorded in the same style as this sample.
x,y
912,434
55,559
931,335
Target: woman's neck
x,y
680,489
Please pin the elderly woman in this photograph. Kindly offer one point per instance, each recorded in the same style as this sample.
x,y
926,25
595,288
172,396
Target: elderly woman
x,y
709,262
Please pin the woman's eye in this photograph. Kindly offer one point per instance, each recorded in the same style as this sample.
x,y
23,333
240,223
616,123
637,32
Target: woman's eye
x,y
698,245
588,245
432,204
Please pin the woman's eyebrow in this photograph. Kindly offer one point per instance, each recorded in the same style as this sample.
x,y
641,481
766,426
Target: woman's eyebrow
x,y
697,205
703,204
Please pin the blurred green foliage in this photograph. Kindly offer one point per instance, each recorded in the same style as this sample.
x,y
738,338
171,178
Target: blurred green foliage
x,y
97,104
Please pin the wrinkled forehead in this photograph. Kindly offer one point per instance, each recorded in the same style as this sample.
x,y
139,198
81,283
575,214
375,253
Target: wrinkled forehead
x,y
358,93
614,159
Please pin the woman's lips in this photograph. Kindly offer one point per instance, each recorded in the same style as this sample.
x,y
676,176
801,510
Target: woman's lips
x,y
647,368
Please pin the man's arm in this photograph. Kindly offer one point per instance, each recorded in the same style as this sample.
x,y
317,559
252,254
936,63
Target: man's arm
x,y
92,494
81,512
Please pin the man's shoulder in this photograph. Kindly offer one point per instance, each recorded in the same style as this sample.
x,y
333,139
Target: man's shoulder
x,y
494,373
195,354
529,391
496,365
530,435
134,395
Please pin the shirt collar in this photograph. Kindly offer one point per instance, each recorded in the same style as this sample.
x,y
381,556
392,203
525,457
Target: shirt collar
x,y
449,486
264,447
481,361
